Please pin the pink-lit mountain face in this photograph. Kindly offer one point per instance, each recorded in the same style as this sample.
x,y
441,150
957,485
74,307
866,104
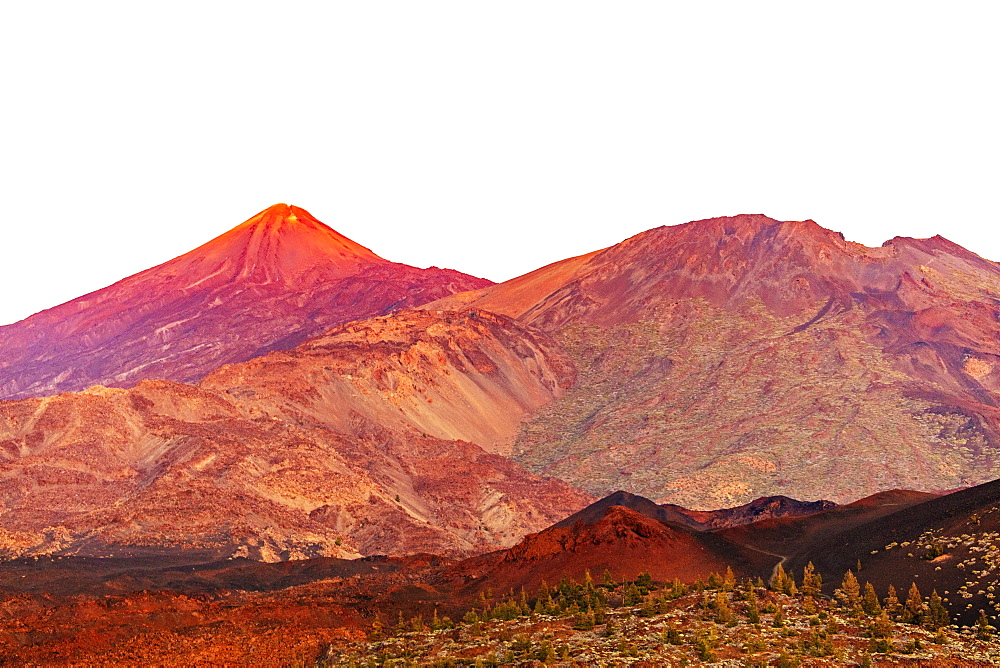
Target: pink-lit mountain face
x,y
732,358
268,284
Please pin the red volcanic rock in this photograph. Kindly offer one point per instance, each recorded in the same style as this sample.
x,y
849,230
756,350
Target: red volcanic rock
x,y
732,358
268,284
623,542
355,443
470,376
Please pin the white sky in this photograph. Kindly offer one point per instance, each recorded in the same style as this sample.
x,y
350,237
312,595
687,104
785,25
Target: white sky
x,y
491,138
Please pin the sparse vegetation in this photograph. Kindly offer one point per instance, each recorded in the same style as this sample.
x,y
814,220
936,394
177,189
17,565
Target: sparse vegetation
x,y
718,620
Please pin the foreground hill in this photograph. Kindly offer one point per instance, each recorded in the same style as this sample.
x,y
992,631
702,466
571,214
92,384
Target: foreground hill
x,y
732,358
622,542
268,284
355,443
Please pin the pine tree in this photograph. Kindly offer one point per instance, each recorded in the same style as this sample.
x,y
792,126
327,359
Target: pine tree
x,y
779,579
935,616
913,609
704,645
673,635
882,626
753,612
892,605
729,579
870,602
648,608
606,579
546,652
400,623
812,582
378,630
584,621
849,593
779,618
723,611
600,613
983,629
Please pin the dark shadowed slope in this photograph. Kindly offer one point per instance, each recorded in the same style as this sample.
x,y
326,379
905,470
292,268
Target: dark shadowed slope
x,y
950,543
755,511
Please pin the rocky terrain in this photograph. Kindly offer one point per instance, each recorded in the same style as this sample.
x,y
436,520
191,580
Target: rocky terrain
x,y
268,284
729,624
612,584
355,443
732,358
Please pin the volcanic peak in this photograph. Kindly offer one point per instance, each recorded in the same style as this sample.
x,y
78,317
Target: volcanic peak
x,y
281,243
269,283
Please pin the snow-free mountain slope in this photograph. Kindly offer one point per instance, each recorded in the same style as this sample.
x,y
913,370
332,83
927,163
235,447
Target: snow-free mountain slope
x,y
732,358
470,376
348,445
267,284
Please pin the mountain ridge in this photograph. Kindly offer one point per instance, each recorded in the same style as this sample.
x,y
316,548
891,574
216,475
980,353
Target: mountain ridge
x,y
737,357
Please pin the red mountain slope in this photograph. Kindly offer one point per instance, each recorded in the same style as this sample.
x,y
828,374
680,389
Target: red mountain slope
x,y
623,541
344,446
268,284
732,358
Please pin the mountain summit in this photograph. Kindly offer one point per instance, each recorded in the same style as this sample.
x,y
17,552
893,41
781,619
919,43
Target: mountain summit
x,y
270,283
281,243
